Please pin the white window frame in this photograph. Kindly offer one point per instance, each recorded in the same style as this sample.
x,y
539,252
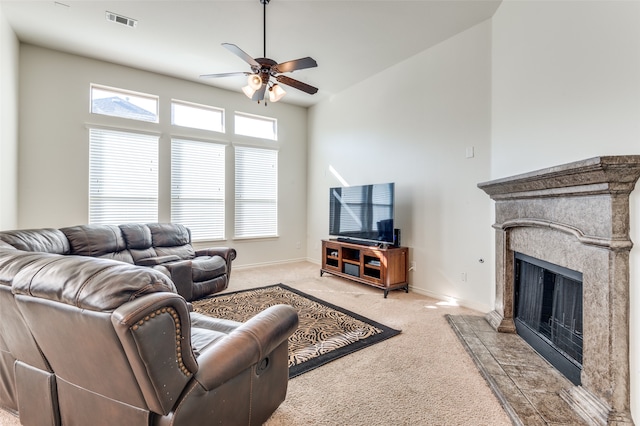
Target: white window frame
x,y
123,176
198,187
206,116
145,101
256,126
256,192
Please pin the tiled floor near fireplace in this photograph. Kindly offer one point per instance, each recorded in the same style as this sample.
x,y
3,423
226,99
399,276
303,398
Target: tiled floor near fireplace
x,y
525,383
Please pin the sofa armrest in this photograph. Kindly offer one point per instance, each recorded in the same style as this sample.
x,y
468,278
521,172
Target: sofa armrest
x,y
155,333
227,253
157,260
246,345
180,274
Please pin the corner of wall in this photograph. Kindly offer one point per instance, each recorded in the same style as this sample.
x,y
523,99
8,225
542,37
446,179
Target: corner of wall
x,y
9,52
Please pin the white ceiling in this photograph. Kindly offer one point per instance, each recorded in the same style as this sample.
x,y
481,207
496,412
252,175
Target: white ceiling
x,y
350,40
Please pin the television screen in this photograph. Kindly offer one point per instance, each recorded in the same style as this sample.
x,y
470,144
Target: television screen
x,y
362,212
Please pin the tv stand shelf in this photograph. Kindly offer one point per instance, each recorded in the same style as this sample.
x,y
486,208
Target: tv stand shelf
x,y
381,267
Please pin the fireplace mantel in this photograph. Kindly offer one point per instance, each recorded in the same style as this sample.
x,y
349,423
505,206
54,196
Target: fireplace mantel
x,y
576,215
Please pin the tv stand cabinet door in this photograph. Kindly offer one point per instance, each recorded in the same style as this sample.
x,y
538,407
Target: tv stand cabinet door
x,y
331,256
396,266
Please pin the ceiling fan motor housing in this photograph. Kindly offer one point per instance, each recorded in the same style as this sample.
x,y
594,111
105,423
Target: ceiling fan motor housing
x,y
265,68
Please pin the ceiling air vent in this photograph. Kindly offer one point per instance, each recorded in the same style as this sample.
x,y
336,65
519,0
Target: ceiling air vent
x,y
119,19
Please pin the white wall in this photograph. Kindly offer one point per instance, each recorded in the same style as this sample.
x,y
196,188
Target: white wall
x,y
411,125
53,161
542,83
8,125
566,87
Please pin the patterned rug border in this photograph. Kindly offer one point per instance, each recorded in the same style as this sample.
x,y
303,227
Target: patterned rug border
x,y
312,364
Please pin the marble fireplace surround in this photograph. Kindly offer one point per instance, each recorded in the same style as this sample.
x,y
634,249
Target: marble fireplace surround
x,y
577,216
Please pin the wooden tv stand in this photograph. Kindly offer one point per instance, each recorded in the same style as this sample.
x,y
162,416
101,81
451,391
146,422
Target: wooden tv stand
x,y
385,268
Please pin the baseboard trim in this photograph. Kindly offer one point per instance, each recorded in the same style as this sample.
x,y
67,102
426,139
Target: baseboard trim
x,y
262,264
480,307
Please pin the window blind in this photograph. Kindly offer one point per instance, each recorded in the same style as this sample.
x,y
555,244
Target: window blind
x,y
198,187
256,193
123,177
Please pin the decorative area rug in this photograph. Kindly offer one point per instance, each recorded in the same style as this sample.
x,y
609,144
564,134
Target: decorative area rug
x,y
326,332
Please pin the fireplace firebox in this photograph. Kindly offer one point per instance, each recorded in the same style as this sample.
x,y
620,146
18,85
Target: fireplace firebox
x,y
548,312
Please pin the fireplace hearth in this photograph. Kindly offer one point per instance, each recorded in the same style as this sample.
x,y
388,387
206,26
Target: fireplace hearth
x,y
575,216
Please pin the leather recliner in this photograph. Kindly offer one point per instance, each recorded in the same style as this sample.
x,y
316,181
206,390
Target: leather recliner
x,y
118,345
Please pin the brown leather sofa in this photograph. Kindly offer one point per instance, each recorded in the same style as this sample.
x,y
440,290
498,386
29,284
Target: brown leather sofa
x,y
163,246
90,341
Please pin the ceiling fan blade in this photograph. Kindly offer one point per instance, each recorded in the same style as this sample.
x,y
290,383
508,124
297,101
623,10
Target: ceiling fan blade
x,y
297,84
259,94
241,54
296,64
225,74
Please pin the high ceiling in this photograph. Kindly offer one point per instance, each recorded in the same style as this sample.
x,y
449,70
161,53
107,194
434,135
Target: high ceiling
x,y
350,40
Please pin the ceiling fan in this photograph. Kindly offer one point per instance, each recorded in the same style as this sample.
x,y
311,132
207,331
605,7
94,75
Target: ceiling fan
x,y
262,69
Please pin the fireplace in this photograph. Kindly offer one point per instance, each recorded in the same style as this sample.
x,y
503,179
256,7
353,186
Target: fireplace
x,y
574,216
548,312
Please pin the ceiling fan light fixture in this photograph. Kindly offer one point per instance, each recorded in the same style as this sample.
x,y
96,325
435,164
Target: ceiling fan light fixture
x,y
249,91
276,92
254,81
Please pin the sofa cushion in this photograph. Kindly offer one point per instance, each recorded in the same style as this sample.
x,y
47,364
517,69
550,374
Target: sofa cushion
x,y
206,330
12,262
42,240
136,236
98,241
201,338
4,245
169,234
184,252
138,239
205,267
171,239
85,282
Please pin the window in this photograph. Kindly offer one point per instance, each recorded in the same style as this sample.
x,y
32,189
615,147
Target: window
x,y
197,187
123,177
256,126
256,181
197,116
125,104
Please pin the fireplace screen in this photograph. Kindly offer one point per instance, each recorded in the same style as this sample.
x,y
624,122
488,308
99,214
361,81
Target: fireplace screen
x,y
549,312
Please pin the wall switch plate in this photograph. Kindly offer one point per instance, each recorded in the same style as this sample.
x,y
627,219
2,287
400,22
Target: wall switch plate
x,y
469,153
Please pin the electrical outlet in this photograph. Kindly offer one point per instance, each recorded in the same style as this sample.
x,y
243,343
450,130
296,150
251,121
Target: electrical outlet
x,y
463,276
298,245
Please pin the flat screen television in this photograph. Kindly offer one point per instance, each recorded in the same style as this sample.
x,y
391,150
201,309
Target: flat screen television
x,y
362,213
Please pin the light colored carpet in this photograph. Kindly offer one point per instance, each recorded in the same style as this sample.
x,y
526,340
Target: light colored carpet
x,y
421,377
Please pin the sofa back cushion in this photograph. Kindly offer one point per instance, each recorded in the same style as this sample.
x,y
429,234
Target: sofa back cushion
x,y
41,240
4,245
104,241
83,282
171,239
138,239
